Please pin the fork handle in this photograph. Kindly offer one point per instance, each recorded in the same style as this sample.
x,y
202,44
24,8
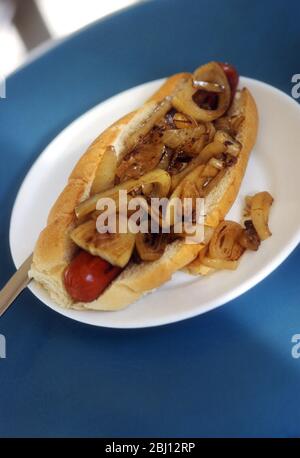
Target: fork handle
x,y
15,285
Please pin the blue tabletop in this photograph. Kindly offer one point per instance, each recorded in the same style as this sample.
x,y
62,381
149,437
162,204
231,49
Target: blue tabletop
x,y
227,373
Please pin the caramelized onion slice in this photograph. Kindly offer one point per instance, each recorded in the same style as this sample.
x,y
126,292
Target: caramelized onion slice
x,y
140,161
178,177
198,183
210,180
213,149
177,137
183,99
259,212
187,187
196,148
217,163
230,124
165,159
113,247
224,242
232,146
150,247
249,238
106,170
210,130
182,121
160,178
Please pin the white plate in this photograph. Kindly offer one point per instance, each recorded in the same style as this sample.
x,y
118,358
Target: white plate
x,y
274,166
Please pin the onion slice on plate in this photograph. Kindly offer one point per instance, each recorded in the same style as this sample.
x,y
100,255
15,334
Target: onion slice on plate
x,y
259,212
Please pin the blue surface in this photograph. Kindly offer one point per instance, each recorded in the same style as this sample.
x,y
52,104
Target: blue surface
x,y
227,373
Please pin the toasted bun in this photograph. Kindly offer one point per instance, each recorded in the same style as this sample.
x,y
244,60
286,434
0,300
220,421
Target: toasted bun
x,y
55,249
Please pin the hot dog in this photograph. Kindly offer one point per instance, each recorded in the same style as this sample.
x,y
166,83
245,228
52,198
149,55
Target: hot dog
x,y
191,139
87,276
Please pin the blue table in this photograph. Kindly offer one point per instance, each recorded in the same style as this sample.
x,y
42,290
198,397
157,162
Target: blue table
x,y
227,373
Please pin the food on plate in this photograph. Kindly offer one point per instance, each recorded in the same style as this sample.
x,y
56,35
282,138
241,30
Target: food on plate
x,y
259,206
190,140
230,240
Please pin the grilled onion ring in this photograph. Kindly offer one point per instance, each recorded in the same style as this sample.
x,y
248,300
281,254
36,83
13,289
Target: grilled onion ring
x,y
223,244
183,100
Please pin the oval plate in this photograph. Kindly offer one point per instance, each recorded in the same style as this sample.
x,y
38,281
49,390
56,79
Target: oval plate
x,y
273,166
